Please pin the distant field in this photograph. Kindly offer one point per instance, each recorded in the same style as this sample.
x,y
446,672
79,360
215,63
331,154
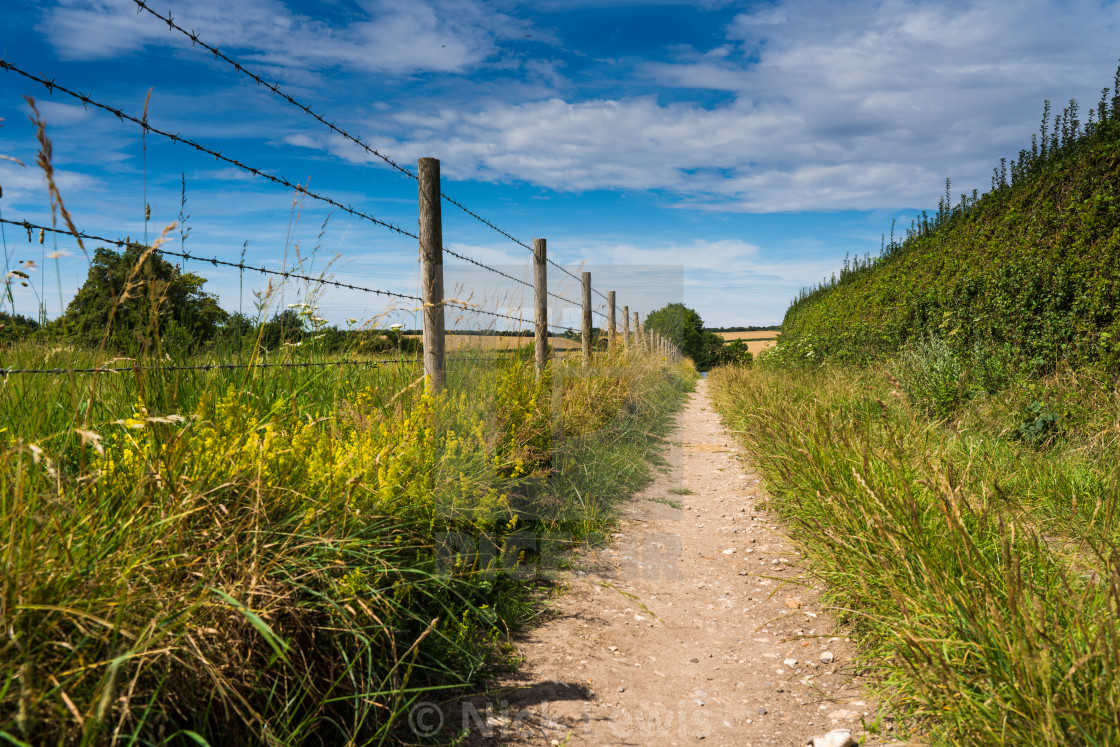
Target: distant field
x,y
490,342
756,341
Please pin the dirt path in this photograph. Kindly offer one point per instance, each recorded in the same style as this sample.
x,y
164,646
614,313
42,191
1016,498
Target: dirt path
x,y
696,623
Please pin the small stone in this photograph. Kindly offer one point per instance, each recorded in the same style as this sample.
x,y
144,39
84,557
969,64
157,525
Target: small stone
x,y
621,689
843,714
729,551
793,604
694,660
791,663
761,711
827,657
835,738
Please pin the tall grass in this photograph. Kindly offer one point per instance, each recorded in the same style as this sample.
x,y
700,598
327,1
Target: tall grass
x,y
254,556
979,570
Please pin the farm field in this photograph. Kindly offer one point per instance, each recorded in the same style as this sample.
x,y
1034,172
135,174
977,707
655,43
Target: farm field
x,y
756,341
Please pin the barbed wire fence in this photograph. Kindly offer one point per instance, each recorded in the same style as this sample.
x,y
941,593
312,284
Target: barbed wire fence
x,y
431,302
141,6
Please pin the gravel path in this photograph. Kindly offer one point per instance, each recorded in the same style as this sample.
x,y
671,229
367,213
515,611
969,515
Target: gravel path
x,y
697,623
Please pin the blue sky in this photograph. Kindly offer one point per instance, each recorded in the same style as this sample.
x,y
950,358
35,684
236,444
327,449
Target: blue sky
x,y
734,151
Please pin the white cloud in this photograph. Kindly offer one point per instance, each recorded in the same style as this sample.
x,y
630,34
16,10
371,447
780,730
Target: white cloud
x,y
396,36
859,105
22,184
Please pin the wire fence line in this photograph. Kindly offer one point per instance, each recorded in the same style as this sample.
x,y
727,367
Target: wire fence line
x,y
235,366
334,128
198,367
51,86
429,193
86,100
288,274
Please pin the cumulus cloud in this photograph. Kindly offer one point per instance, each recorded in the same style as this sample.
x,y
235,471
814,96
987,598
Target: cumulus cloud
x,y
394,36
827,106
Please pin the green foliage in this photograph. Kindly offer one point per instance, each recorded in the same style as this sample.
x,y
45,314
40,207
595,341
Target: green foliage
x,y
734,353
135,297
15,327
980,574
263,556
1032,267
684,327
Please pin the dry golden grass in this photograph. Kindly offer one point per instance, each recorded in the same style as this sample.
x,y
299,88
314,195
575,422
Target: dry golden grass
x,y
756,341
499,342
766,333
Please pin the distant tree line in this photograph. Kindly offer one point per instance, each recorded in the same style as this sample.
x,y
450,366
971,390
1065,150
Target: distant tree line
x,y
135,302
771,328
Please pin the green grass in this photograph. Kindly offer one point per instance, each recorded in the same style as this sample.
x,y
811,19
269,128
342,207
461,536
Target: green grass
x,y
1029,270
978,571
261,556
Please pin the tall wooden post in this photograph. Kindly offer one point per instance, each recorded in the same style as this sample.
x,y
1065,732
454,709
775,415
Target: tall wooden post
x,y
612,327
637,333
540,294
431,273
626,326
586,318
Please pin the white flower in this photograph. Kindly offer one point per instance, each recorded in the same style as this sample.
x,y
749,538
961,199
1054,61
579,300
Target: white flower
x,y
394,327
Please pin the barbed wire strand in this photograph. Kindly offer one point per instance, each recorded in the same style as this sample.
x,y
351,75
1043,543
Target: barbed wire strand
x,y
198,367
50,85
357,140
275,89
29,226
235,366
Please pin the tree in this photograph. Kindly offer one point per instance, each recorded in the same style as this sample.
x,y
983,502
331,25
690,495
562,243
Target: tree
x,y
137,298
684,327
735,352
16,327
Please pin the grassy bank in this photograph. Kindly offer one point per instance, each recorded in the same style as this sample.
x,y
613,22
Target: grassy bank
x,y
973,556
289,555
1028,268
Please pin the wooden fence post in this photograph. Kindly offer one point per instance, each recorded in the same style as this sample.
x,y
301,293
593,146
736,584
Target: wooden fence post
x,y
612,328
586,318
540,293
637,332
431,273
626,327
